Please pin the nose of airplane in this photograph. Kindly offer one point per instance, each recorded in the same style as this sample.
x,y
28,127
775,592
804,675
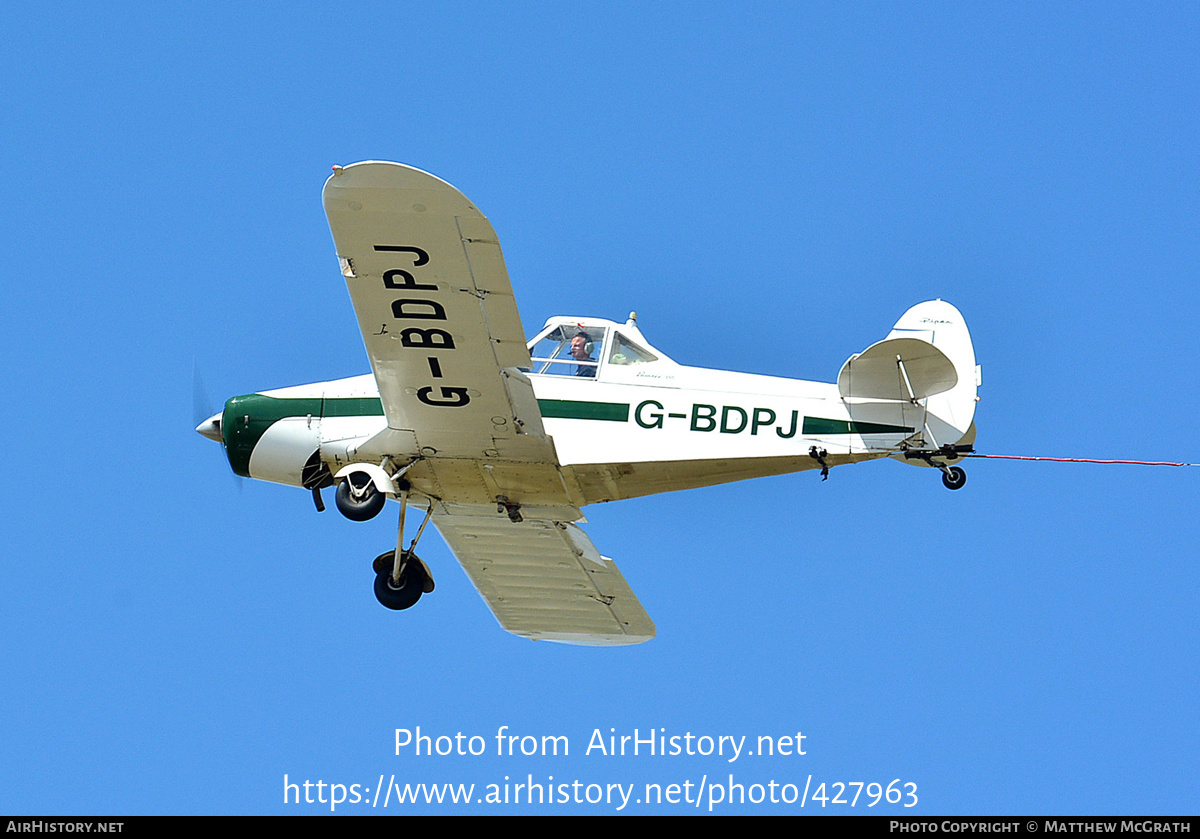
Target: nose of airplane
x,y
211,428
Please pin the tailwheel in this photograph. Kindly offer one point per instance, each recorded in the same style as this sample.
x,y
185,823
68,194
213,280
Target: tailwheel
x,y
414,580
954,477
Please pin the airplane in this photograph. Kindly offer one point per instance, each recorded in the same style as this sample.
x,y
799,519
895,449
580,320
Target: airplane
x,y
501,442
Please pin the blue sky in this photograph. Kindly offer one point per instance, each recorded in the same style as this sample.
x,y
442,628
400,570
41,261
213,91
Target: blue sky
x,y
770,188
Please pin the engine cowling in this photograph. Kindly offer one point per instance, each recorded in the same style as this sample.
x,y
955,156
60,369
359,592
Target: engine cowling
x,y
264,439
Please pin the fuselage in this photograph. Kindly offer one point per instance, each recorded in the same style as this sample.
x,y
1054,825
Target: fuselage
x,y
623,424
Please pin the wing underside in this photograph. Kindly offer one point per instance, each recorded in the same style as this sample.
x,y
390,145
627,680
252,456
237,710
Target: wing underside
x,y
439,322
545,580
436,311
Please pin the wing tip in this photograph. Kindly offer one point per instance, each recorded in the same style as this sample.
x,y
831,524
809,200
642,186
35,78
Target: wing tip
x,y
384,174
585,639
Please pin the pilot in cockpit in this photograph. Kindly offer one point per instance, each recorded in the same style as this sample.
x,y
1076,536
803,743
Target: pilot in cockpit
x,y
581,350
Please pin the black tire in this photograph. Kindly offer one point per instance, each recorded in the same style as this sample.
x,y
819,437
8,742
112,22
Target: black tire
x,y
365,508
956,478
412,585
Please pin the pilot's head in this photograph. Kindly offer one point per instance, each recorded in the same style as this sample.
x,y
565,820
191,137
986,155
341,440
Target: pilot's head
x,y
581,347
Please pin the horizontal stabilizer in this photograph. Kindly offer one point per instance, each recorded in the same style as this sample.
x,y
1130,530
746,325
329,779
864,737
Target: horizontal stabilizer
x,y
897,368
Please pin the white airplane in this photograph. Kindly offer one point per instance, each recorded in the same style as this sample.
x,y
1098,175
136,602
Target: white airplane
x,y
501,442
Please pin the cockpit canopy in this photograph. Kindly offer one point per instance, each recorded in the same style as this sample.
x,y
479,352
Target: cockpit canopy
x,y
589,349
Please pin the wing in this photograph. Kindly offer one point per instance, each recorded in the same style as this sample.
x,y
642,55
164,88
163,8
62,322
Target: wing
x,y
440,325
545,580
436,312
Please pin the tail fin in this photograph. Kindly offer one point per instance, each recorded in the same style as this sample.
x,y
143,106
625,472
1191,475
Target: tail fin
x,y
923,376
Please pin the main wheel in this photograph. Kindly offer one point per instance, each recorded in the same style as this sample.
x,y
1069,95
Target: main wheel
x,y
358,499
408,592
956,478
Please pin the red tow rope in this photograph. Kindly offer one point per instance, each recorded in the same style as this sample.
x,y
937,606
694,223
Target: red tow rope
x,y
1082,460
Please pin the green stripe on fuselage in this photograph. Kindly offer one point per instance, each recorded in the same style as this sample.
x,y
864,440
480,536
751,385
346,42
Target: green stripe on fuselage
x,y
815,426
569,409
357,406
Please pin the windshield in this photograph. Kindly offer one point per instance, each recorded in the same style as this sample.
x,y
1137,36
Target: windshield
x,y
625,351
570,350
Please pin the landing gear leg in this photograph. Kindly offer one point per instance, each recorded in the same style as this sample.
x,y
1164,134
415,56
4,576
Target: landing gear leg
x,y
401,577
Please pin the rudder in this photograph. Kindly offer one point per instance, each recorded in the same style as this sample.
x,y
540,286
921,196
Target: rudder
x,y
922,376
951,412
